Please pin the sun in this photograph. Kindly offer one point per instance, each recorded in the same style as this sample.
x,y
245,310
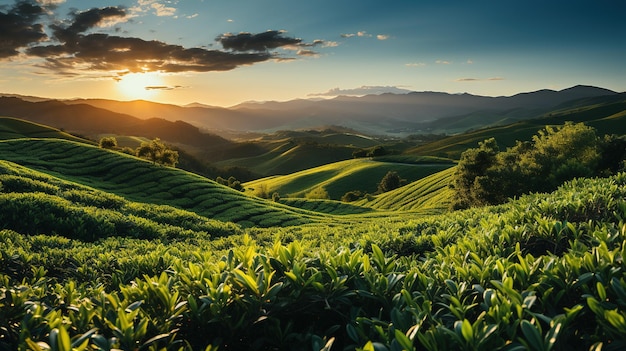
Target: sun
x,y
140,85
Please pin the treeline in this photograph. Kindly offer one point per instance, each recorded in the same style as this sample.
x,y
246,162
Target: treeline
x,y
486,175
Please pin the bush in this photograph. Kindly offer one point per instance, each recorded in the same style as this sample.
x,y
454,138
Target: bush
x,y
318,193
485,175
352,195
390,181
108,143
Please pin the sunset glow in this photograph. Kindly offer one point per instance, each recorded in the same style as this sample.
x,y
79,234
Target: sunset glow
x,y
224,53
143,86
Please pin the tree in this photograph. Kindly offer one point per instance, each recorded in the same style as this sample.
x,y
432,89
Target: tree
x,y
157,152
352,195
318,193
390,181
108,143
487,176
473,163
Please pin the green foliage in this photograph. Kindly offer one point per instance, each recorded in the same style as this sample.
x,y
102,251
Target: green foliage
x,y
231,182
390,181
487,176
108,143
317,193
157,152
352,195
544,272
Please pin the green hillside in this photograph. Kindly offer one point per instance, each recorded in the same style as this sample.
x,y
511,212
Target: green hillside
x,y
606,114
13,128
141,181
340,177
287,156
429,195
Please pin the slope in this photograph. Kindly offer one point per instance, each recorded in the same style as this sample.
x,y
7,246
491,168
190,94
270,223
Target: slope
x,y
340,177
13,128
606,114
429,195
141,181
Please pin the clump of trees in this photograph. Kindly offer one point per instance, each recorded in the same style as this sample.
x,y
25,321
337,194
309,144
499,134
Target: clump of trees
x,y
154,150
157,152
376,151
486,175
231,182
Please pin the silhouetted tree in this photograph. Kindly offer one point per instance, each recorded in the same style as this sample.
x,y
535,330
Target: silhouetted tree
x,y
108,143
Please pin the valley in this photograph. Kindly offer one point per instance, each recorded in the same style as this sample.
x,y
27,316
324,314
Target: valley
x,y
102,249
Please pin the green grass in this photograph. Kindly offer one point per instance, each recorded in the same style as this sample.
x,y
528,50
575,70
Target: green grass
x,y
142,181
340,177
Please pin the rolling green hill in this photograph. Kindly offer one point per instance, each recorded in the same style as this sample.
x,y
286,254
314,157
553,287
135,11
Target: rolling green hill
x,y
429,195
340,177
606,114
141,181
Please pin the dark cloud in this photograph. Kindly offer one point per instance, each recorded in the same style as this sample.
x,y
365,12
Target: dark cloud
x,y
113,53
19,27
75,46
86,20
104,52
270,39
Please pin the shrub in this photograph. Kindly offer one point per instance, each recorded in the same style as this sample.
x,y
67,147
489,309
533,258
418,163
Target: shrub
x,y
318,193
108,143
352,195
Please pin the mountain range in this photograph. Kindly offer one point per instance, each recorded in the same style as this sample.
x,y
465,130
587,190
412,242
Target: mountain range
x,y
385,114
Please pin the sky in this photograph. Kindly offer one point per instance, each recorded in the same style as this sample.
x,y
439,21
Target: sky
x,y
223,53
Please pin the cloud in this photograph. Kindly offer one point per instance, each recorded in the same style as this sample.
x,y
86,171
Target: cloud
x,y
155,7
265,41
364,90
163,87
443,62
478,79
357,34
382,37
415,64
75,46
19,28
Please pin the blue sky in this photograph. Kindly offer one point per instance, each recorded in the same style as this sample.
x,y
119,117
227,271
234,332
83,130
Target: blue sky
x,y
226,52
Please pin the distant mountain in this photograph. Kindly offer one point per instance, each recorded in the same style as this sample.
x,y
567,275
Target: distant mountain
x,y
392,114
90,121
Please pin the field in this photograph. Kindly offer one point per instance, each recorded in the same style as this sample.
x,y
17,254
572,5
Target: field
x,y
100,250
340,177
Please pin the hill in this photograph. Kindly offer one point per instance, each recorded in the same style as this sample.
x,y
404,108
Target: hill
x,y
92,121
14,128
607,114
141,181
390,114
340,177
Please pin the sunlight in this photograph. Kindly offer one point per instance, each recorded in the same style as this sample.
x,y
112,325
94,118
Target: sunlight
x,y
140,85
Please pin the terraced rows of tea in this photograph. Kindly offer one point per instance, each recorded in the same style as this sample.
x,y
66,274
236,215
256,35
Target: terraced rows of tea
x,y
433,195
141,181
